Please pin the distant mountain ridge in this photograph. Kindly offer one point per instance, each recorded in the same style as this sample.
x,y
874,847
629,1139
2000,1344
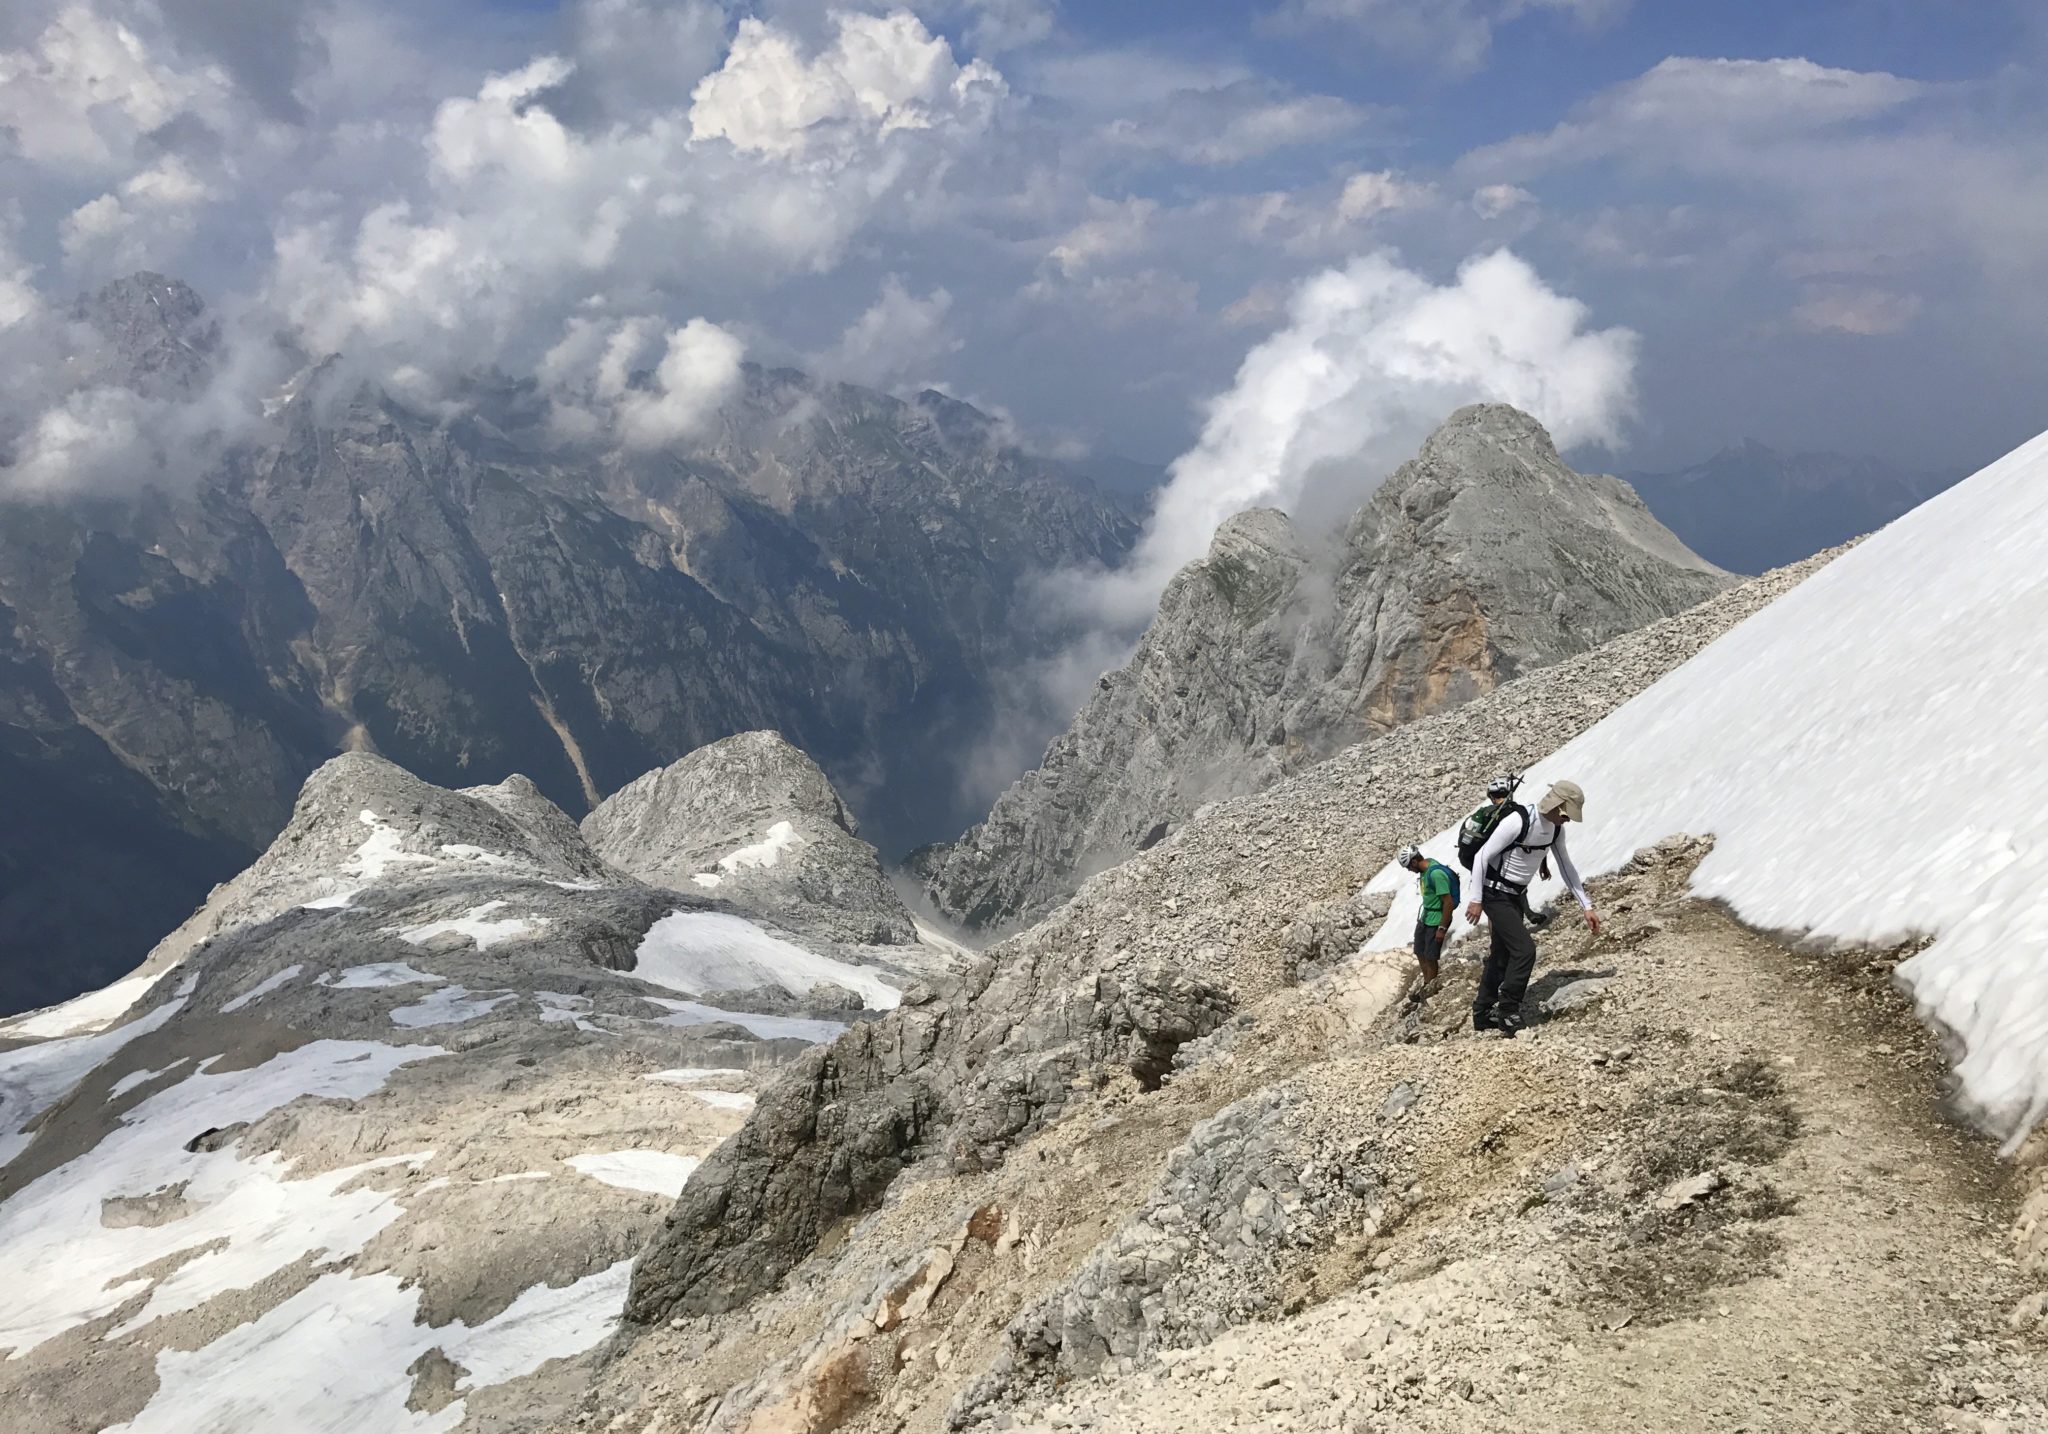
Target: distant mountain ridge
x,y
469,600
1751,508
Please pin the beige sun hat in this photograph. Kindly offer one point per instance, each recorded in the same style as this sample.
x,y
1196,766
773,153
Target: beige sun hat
x,y
1567,795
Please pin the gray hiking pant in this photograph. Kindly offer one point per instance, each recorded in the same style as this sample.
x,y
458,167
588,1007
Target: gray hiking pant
x,y
1510,960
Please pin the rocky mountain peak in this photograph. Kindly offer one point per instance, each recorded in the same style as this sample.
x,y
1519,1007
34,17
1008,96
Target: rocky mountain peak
x,y
161,336
1489,494
1482,557
1252,534
1254,559
753,821
361,821
1489,425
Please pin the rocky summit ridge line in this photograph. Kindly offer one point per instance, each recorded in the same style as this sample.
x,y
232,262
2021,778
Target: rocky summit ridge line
x,y
1483,557
470,598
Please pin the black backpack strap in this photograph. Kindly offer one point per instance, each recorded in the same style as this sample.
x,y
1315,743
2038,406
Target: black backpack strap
x,y
1507,808
1525,844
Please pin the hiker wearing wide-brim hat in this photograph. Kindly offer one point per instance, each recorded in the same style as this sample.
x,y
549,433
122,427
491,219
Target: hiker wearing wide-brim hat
x,y
1506,865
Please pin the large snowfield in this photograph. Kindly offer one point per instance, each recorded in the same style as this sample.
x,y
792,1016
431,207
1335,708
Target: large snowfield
x,y
1870,755
698,951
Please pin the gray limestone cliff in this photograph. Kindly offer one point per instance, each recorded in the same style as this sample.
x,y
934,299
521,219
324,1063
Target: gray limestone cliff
x,y
1482,558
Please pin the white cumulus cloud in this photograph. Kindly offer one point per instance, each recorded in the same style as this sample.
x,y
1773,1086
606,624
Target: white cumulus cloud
x,y
1703,112
882,73
89,88
700,370
1372,357
1493,200
896,340
590,375
769,168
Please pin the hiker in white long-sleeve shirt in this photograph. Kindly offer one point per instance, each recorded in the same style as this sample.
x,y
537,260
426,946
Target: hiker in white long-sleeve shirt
x,y
1505,866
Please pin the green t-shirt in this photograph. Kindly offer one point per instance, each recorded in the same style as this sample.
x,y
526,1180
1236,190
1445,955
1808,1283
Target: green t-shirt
x,y
1435,882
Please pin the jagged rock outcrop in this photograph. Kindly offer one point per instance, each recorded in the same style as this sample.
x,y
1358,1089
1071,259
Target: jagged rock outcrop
x,y
158,336
468,599
1482,558
427,1075
754,821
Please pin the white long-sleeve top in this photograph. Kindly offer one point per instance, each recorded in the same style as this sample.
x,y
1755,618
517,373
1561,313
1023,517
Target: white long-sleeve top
x,y
1519,867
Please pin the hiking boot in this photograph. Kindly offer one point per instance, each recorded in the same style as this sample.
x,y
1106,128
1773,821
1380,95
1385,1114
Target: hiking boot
x,y
1483,1020
1509,1026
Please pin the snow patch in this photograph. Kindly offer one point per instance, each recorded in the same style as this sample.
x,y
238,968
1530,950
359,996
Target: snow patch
x,y
767,1028
34,1078
378,975
94,1011
271,1221
692,1075
543,1323
760,856
655,1171
380,851
558,1006
461,851
1868,755
262,988
355,1336
133,1079
449,1006
485,934
698,951
233,1383
65,1268
725,1099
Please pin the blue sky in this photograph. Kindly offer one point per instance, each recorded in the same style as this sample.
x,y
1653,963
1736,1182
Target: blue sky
x,y
1818,224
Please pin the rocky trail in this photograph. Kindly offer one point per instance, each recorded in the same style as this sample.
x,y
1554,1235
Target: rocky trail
x,y
1713,1187
1719,1194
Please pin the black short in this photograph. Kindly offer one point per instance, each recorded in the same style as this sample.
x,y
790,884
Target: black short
x,y
1429,942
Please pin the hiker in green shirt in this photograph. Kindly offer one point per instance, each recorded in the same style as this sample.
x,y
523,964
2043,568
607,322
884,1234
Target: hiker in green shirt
x,y
1439,887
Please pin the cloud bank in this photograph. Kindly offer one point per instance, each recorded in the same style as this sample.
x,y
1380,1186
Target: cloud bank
x,y
1371,359
1086,220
